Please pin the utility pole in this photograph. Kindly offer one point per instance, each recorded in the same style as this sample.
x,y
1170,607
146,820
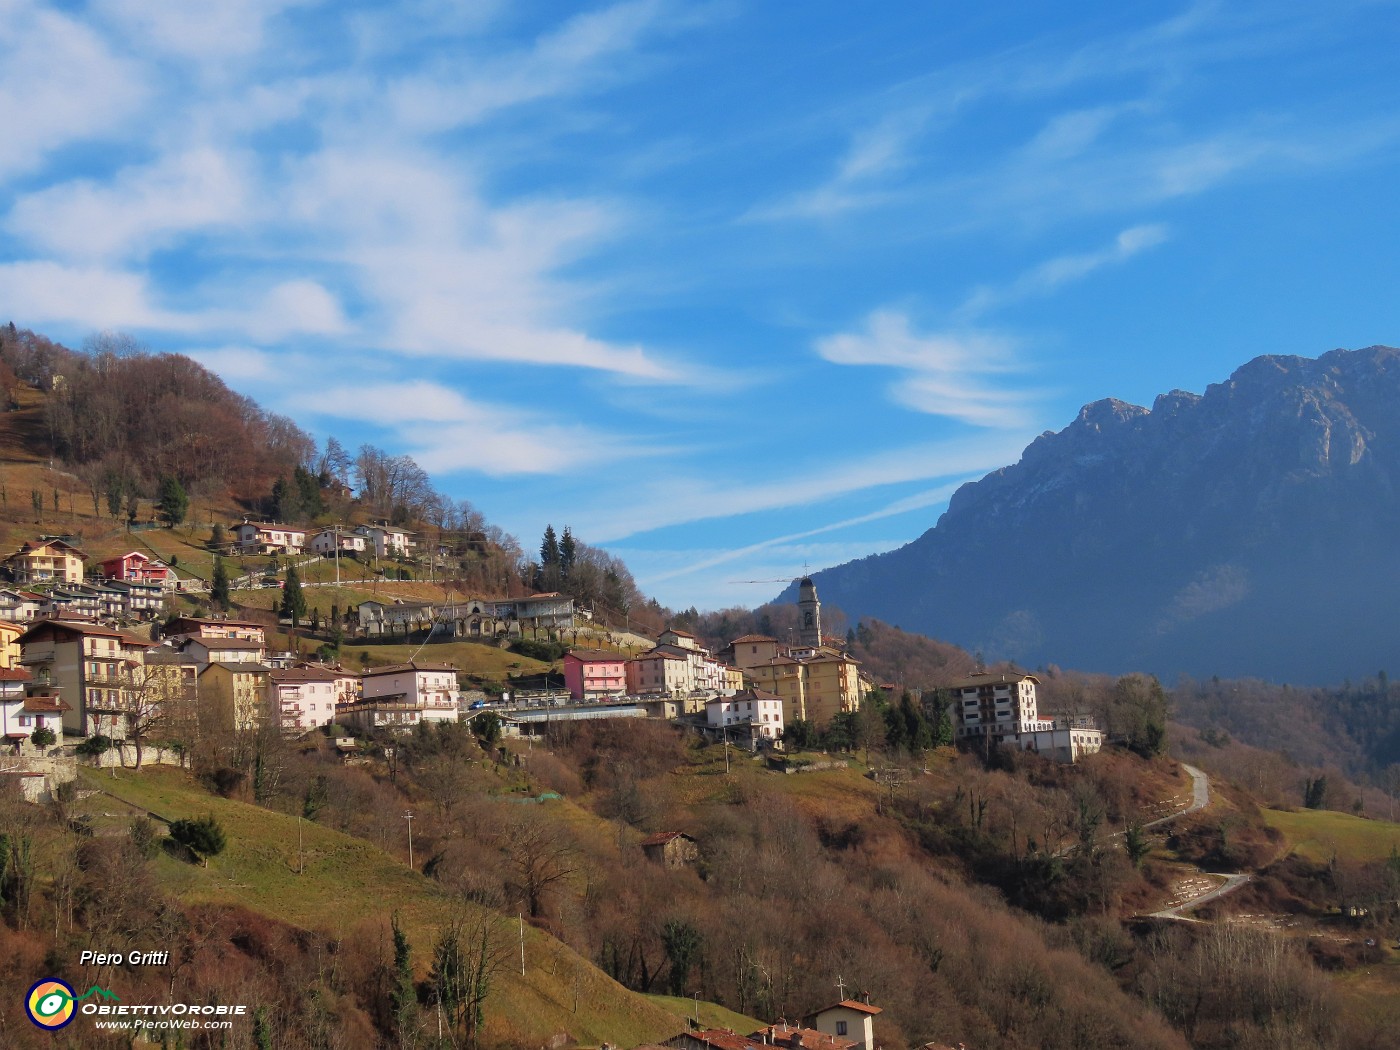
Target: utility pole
x,y
409,817
521,917
301,855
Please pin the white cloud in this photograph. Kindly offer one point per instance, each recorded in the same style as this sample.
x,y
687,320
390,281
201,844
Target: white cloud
x,y
872,156
445,431
582,51
59,84
919,501
49,292
677,497
206,31
1064,269
451,276
941,372
137,210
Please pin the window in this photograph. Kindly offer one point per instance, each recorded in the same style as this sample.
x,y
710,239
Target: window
x,y
840,1027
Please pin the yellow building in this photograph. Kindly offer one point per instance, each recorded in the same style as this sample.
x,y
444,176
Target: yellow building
x,y
9,643
98,671
815,684
236,691
48,561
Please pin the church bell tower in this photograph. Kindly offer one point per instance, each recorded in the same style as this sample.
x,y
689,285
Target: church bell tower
x,y
809,614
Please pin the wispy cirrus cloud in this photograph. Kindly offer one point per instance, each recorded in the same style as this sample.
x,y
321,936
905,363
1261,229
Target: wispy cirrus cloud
x,y
861,179
940,373
584,50
445,431
1064,269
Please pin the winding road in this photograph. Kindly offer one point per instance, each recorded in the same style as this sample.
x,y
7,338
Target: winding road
x,y
1200,799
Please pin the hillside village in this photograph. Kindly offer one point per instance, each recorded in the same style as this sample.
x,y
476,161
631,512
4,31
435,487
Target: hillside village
x,y
78,670
531,742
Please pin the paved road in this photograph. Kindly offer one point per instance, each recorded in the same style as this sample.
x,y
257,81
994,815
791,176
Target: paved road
x,y
1200,797
1231,883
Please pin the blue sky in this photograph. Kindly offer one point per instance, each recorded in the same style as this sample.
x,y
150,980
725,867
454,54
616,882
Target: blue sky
x,y
731,288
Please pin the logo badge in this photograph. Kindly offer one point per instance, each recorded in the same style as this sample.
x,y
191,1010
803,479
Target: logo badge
x,y
50,1003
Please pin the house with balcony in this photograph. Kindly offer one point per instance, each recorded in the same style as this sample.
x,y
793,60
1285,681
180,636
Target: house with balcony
x,y
403,695
386,541
754,713
17,606
99,672
595,674
207,651
211,627
338,540
304,697
234,693
136,567
261,537
47,561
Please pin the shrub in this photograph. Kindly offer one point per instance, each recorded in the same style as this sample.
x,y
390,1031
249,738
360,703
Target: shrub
x,y
43,736
94,746
203,837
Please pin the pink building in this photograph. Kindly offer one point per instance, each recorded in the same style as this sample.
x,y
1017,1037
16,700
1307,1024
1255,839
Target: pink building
x,y
135,567
595,674
304,697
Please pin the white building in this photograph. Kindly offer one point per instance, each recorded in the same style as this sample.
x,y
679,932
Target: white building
x,y
328,541
401,696
387,541
999,707
257,537
762,710
304,698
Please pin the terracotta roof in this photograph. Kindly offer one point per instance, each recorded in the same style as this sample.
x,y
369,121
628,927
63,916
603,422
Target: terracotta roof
x,y
722,1039
305,674
14,674
375,672
46,705
753,638
663,653
678,632
849,1004
227,643
801,1038
76,626
596,655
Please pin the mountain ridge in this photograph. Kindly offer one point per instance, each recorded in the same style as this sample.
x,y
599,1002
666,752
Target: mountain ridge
x,y
1167,538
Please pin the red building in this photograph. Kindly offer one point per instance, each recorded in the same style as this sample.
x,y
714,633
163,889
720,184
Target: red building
x,y
595,674
135,567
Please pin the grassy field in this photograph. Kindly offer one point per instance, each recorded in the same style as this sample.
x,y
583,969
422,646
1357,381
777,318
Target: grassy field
x,y
1320,834
349,881
711,1016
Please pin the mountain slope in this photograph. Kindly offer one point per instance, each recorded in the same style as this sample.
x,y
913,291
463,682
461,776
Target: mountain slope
x,y
1251,530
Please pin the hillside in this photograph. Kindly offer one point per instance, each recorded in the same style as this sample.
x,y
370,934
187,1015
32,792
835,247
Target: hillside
x,y
1239,532
318,879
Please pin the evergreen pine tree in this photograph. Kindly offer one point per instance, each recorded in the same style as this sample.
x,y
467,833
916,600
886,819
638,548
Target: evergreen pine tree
x,y
174,503
293,605
218,586
568,551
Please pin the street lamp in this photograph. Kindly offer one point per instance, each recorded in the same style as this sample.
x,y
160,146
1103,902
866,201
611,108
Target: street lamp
x,y
409,817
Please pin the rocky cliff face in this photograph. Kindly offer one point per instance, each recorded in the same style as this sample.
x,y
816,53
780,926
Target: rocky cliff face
x,y
1254,529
